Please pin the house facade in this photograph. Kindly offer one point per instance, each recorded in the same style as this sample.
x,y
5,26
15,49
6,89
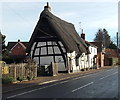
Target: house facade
x,y
92,56
55,40
111,56
92,59
17,50
100,53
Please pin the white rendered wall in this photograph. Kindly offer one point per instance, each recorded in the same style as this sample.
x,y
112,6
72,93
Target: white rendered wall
x,y
93,52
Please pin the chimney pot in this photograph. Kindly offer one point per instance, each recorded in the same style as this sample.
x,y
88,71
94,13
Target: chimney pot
x,y
83,36
47,7
18,40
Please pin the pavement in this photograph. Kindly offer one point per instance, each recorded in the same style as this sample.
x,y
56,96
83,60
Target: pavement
x,y
49,79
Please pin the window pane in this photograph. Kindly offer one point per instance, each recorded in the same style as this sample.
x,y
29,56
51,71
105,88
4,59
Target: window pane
x,y
33,46
60,43
50,50
41,44
43,51
57,51
37,51
49,43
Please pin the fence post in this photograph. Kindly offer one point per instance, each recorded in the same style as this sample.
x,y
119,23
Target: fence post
x,y
22,69
36,70
15,72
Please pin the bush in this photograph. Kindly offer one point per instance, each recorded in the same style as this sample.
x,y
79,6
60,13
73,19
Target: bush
x,y
33,78
20,79
29,77
8,80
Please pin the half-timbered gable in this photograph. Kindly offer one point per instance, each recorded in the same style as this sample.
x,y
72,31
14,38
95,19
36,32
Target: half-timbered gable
x,y
53,40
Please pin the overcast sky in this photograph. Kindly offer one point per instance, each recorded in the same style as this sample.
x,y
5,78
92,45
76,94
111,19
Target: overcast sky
x,y
20,18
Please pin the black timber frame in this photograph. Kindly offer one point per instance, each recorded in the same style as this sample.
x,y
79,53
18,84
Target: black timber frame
x,y
46,40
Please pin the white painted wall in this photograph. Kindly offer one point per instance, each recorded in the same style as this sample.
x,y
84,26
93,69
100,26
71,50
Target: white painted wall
x,y
85,61
93,52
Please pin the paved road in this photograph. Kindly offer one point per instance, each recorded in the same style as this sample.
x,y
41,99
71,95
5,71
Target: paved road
x,y
103,84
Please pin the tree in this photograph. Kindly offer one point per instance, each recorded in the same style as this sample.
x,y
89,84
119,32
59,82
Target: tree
x,y
4,49
99,36
3,44
103,36
112,46
106,40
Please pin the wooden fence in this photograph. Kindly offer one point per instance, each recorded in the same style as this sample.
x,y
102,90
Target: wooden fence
x,y
20,70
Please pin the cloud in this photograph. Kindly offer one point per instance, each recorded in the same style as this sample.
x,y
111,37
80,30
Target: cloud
x,y
59,0
111,22
66,15
22,17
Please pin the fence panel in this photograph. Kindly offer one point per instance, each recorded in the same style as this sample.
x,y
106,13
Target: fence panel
x,y
21,70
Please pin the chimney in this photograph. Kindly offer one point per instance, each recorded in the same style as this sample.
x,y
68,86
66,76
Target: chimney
x,y
47,7
18,40
83,35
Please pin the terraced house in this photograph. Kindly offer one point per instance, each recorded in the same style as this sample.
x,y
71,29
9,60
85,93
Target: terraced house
x,y
55,40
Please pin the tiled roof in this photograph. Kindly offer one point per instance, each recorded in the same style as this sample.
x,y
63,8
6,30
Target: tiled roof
x,y
112,52
12,44
99,45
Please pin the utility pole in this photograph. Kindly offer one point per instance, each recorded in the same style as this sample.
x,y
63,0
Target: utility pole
x,y
117,45
117,40
0,45
104,39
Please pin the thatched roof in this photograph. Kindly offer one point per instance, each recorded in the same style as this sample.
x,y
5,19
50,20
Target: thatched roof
x,y
53,26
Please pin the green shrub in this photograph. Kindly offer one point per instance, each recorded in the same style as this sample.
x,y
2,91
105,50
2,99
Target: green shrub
x,y
8,80
20,79
24,78
33,78
29,77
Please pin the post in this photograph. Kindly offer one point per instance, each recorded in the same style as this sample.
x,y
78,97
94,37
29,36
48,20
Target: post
x,y
14,72
117,44
0,65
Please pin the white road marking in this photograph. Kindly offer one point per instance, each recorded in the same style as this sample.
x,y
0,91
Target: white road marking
x,y
82,76
64,81
108,76
47,82
110,69
90,74
61,83
31,91
82,86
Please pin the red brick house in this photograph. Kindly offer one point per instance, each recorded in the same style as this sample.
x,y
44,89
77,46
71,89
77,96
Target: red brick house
x,y
17,50
111,56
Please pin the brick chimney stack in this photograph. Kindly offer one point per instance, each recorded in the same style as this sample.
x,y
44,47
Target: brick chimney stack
x,y
47,7
83,35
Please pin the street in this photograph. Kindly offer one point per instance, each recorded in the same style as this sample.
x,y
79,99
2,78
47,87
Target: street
x,y
103,84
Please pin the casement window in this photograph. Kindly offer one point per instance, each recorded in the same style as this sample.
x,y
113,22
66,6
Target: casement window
x,y
77,61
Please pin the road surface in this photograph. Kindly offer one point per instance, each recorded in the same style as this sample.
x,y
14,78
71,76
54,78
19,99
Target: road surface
x,y
103,84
